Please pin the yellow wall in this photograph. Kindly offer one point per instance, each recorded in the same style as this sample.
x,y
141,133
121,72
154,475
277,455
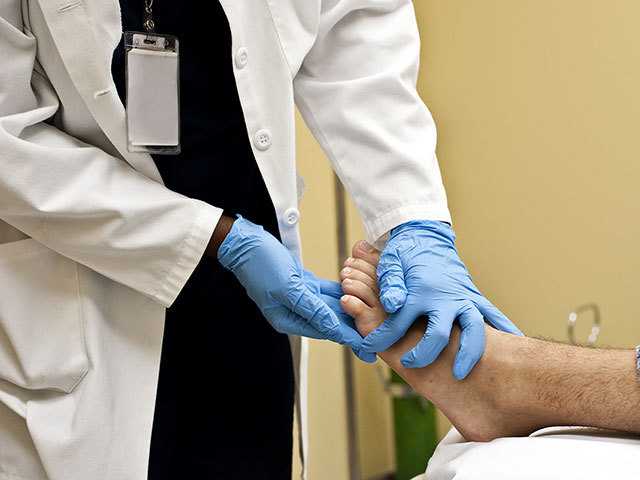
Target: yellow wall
x,y
328,455
537,109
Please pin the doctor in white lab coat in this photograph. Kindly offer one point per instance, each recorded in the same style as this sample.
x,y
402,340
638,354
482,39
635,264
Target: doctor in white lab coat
x,y
93,246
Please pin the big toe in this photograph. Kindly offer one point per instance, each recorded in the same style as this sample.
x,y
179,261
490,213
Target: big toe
x,y
365,318
365,251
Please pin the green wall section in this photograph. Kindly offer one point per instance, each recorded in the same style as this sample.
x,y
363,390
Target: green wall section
x,y
415,434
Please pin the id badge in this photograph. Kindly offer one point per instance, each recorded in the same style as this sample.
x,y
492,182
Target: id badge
x,y
153,107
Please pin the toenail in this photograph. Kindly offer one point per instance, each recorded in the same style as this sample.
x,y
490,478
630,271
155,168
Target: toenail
x,y
349,261
366,246
347,281
346,271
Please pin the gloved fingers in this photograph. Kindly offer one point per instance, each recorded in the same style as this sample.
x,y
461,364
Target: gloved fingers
x,y
435,339
330,288
365,356
336,306
381,338
308,275
285,321
298,262
393,291
496,318
470,287
355,274
361,291
472,341
303,302
325,318
391,330
350,336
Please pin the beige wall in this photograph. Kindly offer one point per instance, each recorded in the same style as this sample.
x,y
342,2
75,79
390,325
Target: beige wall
x,y
328,456
328,415
537,109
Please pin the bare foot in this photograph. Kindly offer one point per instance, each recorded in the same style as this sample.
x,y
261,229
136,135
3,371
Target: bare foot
x,y
480,406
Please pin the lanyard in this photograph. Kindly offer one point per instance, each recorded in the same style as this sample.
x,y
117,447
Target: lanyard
x,y
148,23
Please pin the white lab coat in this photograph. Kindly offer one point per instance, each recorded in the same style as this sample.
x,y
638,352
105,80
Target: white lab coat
x,y
93,246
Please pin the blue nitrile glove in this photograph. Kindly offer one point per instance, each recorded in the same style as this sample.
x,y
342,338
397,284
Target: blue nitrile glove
x,y
274,280
420,273
330,292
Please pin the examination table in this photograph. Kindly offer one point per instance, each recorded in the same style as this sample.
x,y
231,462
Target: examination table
x,y
567,453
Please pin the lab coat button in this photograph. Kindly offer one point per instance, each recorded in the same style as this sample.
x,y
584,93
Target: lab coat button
x,y
291,216
242,57
262,139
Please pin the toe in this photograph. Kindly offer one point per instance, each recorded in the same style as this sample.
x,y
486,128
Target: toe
x,y
359,289
365,318
365,251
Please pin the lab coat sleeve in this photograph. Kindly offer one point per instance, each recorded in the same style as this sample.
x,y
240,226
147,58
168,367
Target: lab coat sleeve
x,y
356,90
80,201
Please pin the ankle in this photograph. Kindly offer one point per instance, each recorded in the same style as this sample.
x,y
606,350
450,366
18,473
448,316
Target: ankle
x,y
502,376
514,362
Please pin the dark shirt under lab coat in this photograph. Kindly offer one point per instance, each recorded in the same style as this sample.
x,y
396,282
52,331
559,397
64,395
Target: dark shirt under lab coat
x,y
225,397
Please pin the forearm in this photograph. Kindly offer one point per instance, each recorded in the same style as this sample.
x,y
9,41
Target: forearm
x,y
78,199
366,146
580,386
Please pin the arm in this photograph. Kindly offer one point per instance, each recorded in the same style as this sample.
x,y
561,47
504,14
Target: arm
x,y
80,201
95,209
356,90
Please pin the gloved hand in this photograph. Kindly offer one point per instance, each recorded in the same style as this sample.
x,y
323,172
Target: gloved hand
x,y
420,273
330,292
274,280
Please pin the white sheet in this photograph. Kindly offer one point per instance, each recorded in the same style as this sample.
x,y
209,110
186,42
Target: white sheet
x,y
566,453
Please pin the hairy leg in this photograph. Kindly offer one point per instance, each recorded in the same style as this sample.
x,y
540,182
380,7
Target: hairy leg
x,y
520,385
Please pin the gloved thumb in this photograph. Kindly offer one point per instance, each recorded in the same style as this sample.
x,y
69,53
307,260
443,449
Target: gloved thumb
x,y
307,304
393,292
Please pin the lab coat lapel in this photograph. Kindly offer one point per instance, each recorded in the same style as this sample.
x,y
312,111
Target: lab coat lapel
x,y
72,29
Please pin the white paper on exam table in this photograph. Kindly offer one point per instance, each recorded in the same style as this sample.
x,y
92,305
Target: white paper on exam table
x,y
567,453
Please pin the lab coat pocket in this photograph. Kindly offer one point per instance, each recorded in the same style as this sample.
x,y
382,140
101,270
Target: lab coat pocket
x,y
42,343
